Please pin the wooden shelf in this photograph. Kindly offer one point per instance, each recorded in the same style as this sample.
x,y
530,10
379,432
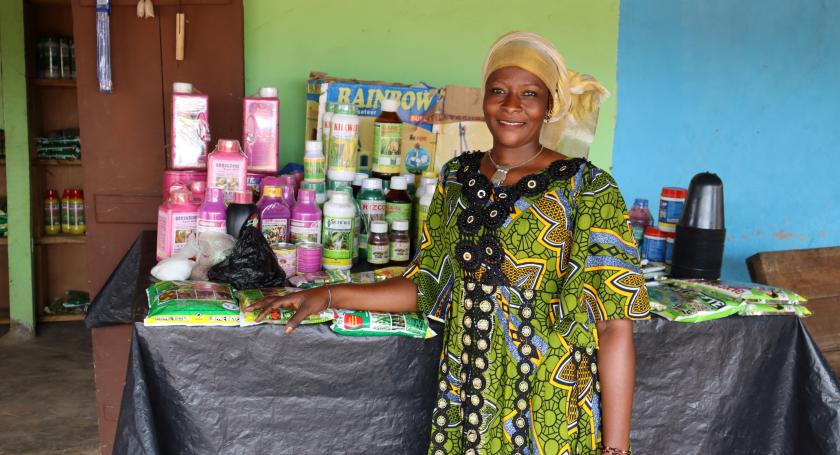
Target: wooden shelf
x,y
49,2
74,163
61,239
67,83
61,317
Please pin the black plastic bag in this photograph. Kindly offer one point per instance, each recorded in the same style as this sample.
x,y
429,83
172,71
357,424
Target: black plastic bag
x,y
250,265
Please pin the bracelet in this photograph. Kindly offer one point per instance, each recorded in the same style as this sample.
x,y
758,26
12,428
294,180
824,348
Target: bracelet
x,y
329,302
614,451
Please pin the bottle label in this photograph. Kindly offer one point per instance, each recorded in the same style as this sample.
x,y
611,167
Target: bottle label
x,y
65,215
183,227
313,169
373,209
227,176
378,254
161,234
386,147
205,225
306,231
638,234
343,141
397,211
275,230
52,216
338,241
400,250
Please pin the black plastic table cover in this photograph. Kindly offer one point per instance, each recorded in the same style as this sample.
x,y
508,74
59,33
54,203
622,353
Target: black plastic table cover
x,y
739,385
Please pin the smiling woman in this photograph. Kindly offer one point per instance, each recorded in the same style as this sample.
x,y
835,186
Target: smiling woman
x,y
528,258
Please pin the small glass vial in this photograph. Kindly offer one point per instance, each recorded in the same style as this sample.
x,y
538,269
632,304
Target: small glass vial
x,y
378,251
400,242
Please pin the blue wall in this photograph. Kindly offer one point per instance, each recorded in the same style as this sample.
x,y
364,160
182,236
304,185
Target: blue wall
x,y
747,89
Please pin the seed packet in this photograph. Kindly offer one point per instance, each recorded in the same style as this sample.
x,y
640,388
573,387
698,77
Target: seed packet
x,y
279,316
688,305
769,309
315,279
377,275
372,324
747,292
191,303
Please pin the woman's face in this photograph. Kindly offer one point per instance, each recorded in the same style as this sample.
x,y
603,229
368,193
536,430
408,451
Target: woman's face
x,y
515,104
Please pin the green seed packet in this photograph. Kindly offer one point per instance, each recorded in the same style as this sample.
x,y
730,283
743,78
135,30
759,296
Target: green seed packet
x,y
191,303
688,305
371,324
769,309
279,316
747,292
315,279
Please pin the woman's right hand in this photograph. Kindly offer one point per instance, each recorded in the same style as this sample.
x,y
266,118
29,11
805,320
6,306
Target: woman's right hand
x,y
304,303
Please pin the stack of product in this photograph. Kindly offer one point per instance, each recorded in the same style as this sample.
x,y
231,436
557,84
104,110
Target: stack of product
x,y
61,145
656,244
56,58
65,215
699,300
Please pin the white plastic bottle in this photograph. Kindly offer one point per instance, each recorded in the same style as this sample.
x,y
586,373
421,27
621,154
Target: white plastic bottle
x,y
339,215
343,156
422,212
314,163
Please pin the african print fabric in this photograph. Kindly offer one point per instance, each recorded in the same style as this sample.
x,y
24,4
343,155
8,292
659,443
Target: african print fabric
x,y
520,274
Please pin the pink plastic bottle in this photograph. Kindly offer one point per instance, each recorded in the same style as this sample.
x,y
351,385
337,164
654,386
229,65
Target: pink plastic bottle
x,y
177,221
274,215
212,213
306,219
227,168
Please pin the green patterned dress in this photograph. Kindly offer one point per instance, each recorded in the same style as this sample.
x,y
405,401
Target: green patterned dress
x,y
520,274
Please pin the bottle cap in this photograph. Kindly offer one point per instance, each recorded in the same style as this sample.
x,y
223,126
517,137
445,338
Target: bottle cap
x,y
268,92
52,193
429,188
306,196
340,197
243,197
273,191
398,183
674,193
313,146
359,178
182,87
379,227
214,195
389,105
228,145
640,202
399,225
372,184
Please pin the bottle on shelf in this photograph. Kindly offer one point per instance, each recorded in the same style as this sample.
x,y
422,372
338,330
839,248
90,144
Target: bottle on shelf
x,y
177,222
306,218
274,214
372,207
640,219
357,182
212,212
241,212
77,212
326,131
397,202
378,243
400,243
52,213
227,168
423,211
387,137
65,211
339,214
342,159
357,221
314,163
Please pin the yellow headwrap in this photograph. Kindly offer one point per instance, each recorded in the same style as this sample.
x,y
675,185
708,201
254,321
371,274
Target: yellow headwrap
x,y
574,96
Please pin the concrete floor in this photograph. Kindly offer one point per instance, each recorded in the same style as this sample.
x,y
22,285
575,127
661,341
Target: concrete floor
x,y
47,392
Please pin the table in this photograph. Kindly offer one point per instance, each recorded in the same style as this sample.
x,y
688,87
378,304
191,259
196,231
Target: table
x,y
740,385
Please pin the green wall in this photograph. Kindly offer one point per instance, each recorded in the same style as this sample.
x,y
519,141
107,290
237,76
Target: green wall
x,y
436,41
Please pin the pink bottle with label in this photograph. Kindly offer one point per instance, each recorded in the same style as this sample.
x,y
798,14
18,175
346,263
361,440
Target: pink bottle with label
x,y
212,213
190,179
306,219
190,128
177,222
274,215
227,168
260,130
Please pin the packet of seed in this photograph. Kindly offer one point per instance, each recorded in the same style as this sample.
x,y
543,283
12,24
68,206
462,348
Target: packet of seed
x,y
315,279
747,292
191,303
373,324
770,309
688,305
375,276
279,316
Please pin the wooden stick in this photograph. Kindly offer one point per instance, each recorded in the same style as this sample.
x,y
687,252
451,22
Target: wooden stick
x,y
179,36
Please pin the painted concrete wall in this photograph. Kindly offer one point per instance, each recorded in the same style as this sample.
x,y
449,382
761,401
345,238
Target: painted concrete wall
x,y
748,90
435,41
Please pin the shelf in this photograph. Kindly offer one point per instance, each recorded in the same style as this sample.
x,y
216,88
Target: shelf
x,y
67,83
74,163
49,2
61,317
61,239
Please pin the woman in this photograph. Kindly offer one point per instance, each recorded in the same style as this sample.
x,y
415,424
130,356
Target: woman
x,y
528,258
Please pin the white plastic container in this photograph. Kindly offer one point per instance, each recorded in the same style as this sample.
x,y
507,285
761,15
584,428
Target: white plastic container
x,y
342,159
314,163
339,217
